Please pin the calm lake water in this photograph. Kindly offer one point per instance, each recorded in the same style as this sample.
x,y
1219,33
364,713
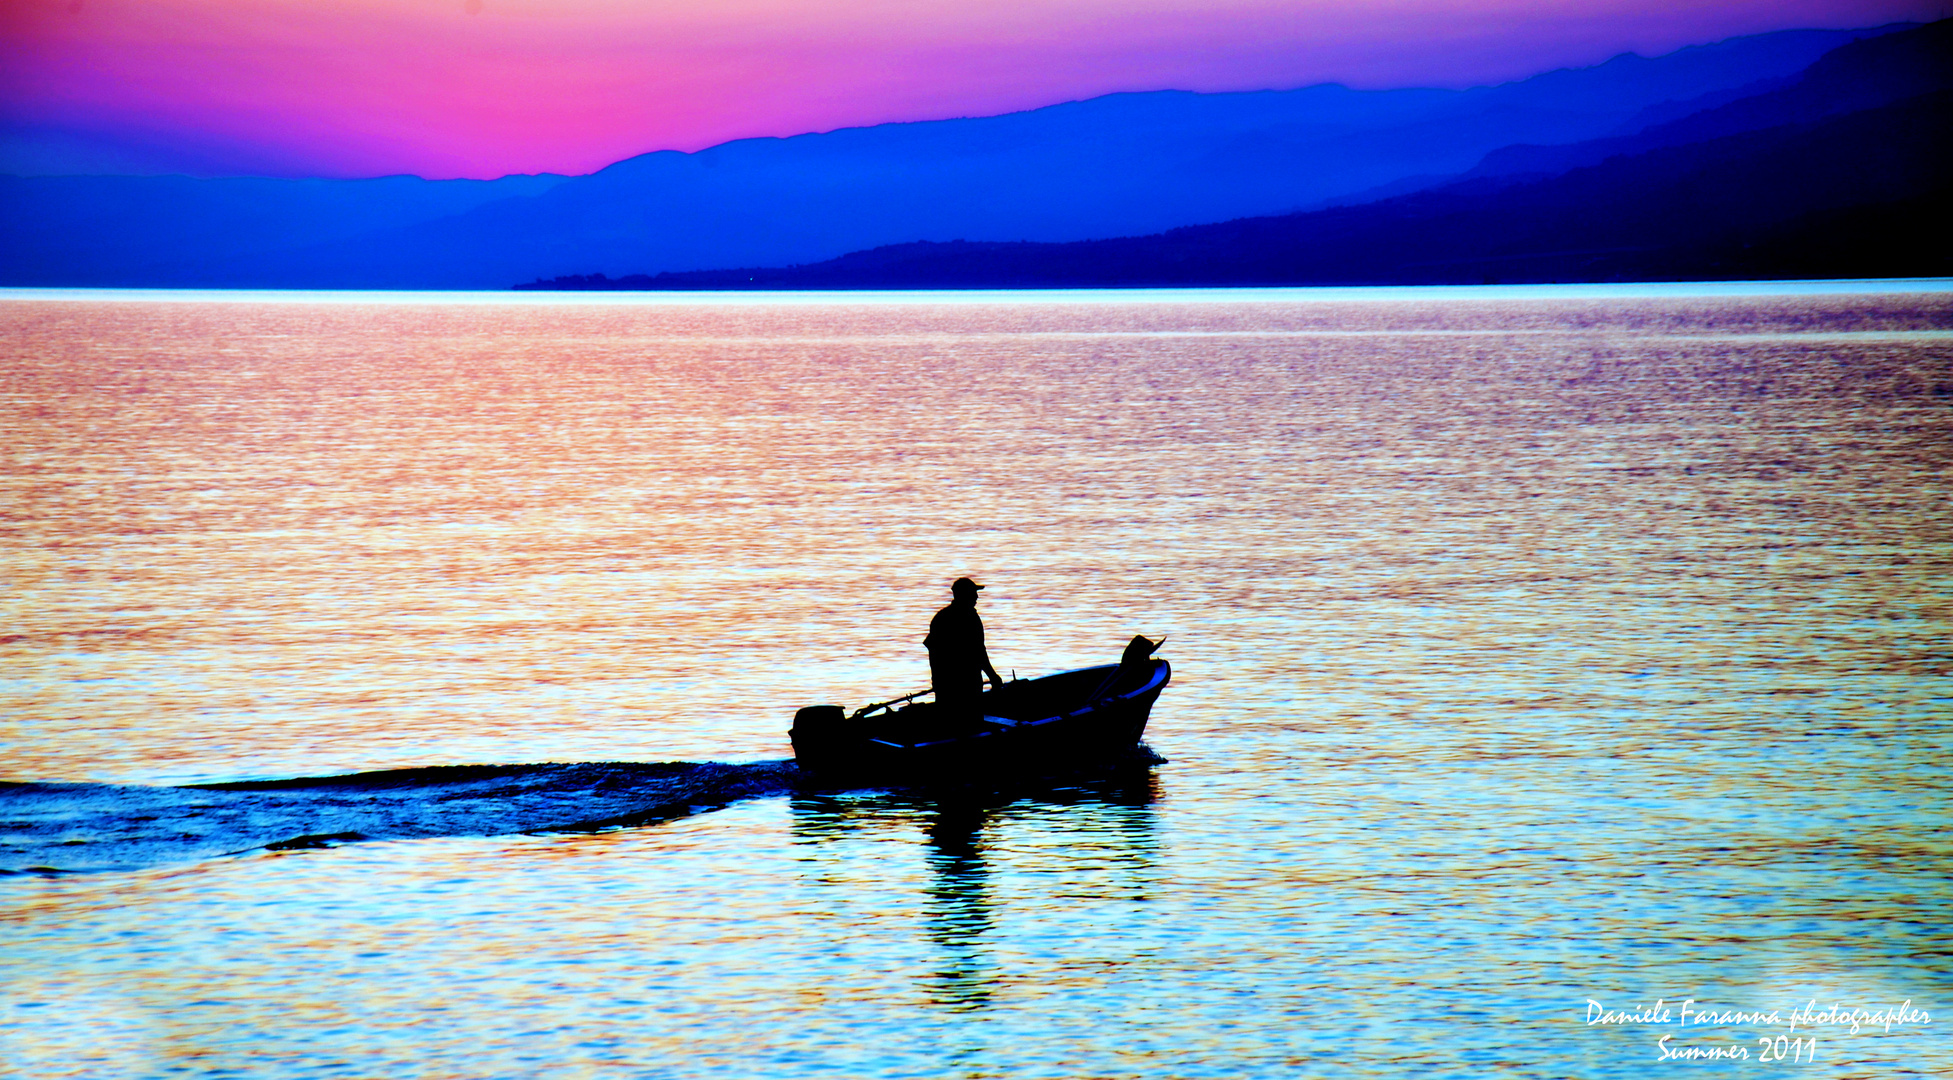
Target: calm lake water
x,y
1536,655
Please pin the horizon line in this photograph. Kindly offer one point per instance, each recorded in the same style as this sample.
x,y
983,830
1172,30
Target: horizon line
x,y
1192,294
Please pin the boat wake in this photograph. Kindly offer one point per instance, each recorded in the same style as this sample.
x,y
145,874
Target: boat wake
x,y
68,828
79,828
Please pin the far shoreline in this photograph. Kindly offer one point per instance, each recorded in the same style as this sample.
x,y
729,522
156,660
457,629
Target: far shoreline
x,y
896,297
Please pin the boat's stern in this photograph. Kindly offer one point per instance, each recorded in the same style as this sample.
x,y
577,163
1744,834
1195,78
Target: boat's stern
x,y
822,735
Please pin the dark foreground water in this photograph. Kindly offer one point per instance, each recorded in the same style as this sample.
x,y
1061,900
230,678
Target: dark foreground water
x,y
1537,659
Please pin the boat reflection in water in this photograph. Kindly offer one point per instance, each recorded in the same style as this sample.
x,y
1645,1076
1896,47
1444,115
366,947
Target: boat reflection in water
x,y
1000,868
960,913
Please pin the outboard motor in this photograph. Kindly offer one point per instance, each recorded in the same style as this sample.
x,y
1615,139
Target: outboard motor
x,y
818,731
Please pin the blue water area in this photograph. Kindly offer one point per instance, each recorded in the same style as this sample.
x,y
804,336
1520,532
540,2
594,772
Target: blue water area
x,y
1167,925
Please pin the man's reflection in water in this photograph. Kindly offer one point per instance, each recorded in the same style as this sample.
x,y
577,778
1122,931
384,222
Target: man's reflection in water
x,y
959,906
1104,845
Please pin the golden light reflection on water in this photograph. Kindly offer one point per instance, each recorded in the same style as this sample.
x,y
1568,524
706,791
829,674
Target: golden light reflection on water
x,y
287,538
1524,652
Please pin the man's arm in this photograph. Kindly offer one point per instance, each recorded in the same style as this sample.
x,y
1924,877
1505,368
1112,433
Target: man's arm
x,y
983,657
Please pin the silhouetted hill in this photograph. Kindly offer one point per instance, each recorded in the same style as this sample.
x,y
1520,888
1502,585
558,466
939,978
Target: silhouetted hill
x,y
1117,165
1862,75
1845,191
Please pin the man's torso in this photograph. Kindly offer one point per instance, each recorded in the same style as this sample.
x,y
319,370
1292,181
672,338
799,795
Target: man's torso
x,y
955,637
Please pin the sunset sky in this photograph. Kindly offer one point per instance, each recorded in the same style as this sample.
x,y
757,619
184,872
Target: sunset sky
x,y
481,88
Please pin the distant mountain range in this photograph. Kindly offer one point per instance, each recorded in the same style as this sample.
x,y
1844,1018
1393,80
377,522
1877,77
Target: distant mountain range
x,y
1546,176
1843,171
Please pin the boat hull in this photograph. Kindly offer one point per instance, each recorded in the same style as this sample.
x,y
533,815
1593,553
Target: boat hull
x,y
1047,726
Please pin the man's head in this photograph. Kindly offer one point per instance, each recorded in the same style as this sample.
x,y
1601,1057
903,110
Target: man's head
x,y
964,589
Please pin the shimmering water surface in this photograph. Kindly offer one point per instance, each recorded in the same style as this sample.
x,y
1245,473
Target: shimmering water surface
x,y
1528,650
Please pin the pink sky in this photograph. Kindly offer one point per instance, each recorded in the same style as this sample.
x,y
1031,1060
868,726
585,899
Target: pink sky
x,y
482,88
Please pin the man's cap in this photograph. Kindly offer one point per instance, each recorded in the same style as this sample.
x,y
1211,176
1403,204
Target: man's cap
x,y
964,584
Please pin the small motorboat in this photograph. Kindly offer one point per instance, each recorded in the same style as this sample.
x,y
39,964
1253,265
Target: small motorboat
x,y
1055,724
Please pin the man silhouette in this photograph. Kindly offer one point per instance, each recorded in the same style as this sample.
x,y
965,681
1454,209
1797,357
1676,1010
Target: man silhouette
x,y
958,662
